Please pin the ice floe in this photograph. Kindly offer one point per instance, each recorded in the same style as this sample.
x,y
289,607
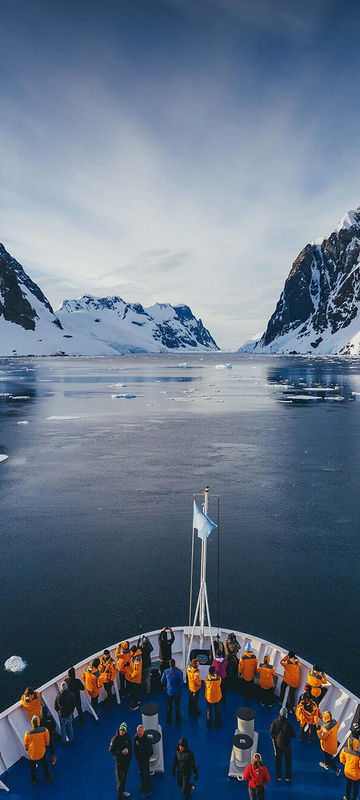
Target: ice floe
x,y
127,396
15,664
223,366
23,422
3,457
57,416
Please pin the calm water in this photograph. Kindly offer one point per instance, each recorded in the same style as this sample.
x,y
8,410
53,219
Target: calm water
x,y
96,509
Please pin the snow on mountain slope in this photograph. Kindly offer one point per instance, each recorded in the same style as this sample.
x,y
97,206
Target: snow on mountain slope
x,y
318,310
91,325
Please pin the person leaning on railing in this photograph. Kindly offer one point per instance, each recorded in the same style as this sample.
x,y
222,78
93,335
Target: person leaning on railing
x,y
93,680
123,655
291,678
31,701
133,677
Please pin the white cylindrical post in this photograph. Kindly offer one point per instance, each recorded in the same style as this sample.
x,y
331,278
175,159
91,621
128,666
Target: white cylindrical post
x,y
203,571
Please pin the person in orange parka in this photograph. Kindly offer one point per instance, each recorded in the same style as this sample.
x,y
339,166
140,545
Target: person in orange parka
x,y
123,655
291,678
133,675
247,667
93,680
350,757
308,714
317,679
36,741
31,701
194,681
327,734
266,680
108,671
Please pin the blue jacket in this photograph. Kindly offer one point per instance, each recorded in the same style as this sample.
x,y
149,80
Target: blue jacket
x,y
173,680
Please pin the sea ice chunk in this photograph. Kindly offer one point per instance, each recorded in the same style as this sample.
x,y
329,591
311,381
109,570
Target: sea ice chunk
x,y
3,457
15,664
223,366
126,396
23,422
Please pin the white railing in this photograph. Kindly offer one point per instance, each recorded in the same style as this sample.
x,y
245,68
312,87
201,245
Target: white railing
x,y
14,721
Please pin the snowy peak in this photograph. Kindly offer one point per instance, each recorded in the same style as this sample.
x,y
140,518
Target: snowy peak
x,y
318,310
21,300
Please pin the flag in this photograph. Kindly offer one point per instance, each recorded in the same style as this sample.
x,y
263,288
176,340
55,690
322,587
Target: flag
x,y
202,523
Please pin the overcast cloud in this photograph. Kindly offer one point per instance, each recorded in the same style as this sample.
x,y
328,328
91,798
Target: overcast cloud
x,y
177,152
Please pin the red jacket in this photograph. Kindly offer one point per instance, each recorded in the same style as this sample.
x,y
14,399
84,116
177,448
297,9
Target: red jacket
x,y
256,777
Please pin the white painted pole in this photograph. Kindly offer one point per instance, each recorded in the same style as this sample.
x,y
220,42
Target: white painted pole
x,y
203,572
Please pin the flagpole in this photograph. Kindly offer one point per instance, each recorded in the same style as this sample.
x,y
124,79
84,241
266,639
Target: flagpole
x,y
203,571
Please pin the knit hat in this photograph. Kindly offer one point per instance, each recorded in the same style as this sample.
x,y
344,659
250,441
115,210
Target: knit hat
x,y
248,648
123,726
283,712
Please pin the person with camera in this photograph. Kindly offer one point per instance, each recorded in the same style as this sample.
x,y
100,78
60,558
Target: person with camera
x,y
166,639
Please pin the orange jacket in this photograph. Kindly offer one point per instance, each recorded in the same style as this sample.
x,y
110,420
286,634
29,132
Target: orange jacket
x,y
32,704
107,668
267,674
350,757
193,674
308,714
93,680
328,734
213,688
291,671
123,655
248,666
316,680
36,741
133,671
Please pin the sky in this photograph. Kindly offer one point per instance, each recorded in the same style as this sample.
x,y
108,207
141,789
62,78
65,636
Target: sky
x,y
179,151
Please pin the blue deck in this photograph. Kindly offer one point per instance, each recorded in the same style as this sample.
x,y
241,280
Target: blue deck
x,y
85,770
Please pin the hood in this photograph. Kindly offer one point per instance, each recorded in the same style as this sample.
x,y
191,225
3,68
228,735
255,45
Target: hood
x,y
184,743
352,743
327,716
248,648
219,658
35,722
124,645
266,659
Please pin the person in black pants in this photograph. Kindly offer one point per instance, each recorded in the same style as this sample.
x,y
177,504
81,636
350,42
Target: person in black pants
x,y
146,649
121,749
143,751
281,732
166,639
184,764
75,685
47,721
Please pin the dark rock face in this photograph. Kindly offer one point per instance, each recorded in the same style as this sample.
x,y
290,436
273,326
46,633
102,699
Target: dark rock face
x,y
14,305
322,292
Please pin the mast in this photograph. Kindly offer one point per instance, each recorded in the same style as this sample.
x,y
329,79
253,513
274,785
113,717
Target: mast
x,y
202,605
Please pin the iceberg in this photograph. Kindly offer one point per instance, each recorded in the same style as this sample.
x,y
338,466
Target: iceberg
x,y
15,664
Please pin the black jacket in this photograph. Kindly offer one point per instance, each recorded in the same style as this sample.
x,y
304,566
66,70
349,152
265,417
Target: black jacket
x,y
165,645
121,748
75,685
143,749
146,649
282,732
64,703
47,721
184,763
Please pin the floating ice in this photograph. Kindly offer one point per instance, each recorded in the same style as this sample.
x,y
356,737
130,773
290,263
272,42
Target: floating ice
x,y
55,416
3,457
15,664
23,422
223,366
20,397
126,396
118,385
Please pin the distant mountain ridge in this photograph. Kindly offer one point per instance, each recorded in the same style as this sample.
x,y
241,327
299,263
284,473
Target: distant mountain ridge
x,y
90,325
318,310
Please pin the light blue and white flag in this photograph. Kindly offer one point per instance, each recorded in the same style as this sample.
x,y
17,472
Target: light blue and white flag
x,y
203,524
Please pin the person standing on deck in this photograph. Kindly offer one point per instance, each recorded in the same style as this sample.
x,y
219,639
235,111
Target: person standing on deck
x,y
172,680
31,701
146,648
350,757
281,732
93,680
232,648
317,679
308,714
75,685
166,640
247,667
47,721
36,741
143,751
213,697
108,671
123,655
194,681
220,666
121,749
64,705
327,734
257,775
184,765
133,675
266,680
291,678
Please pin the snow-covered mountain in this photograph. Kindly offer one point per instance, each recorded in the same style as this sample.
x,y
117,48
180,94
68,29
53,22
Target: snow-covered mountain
x,y
91,325
112,325
318,310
